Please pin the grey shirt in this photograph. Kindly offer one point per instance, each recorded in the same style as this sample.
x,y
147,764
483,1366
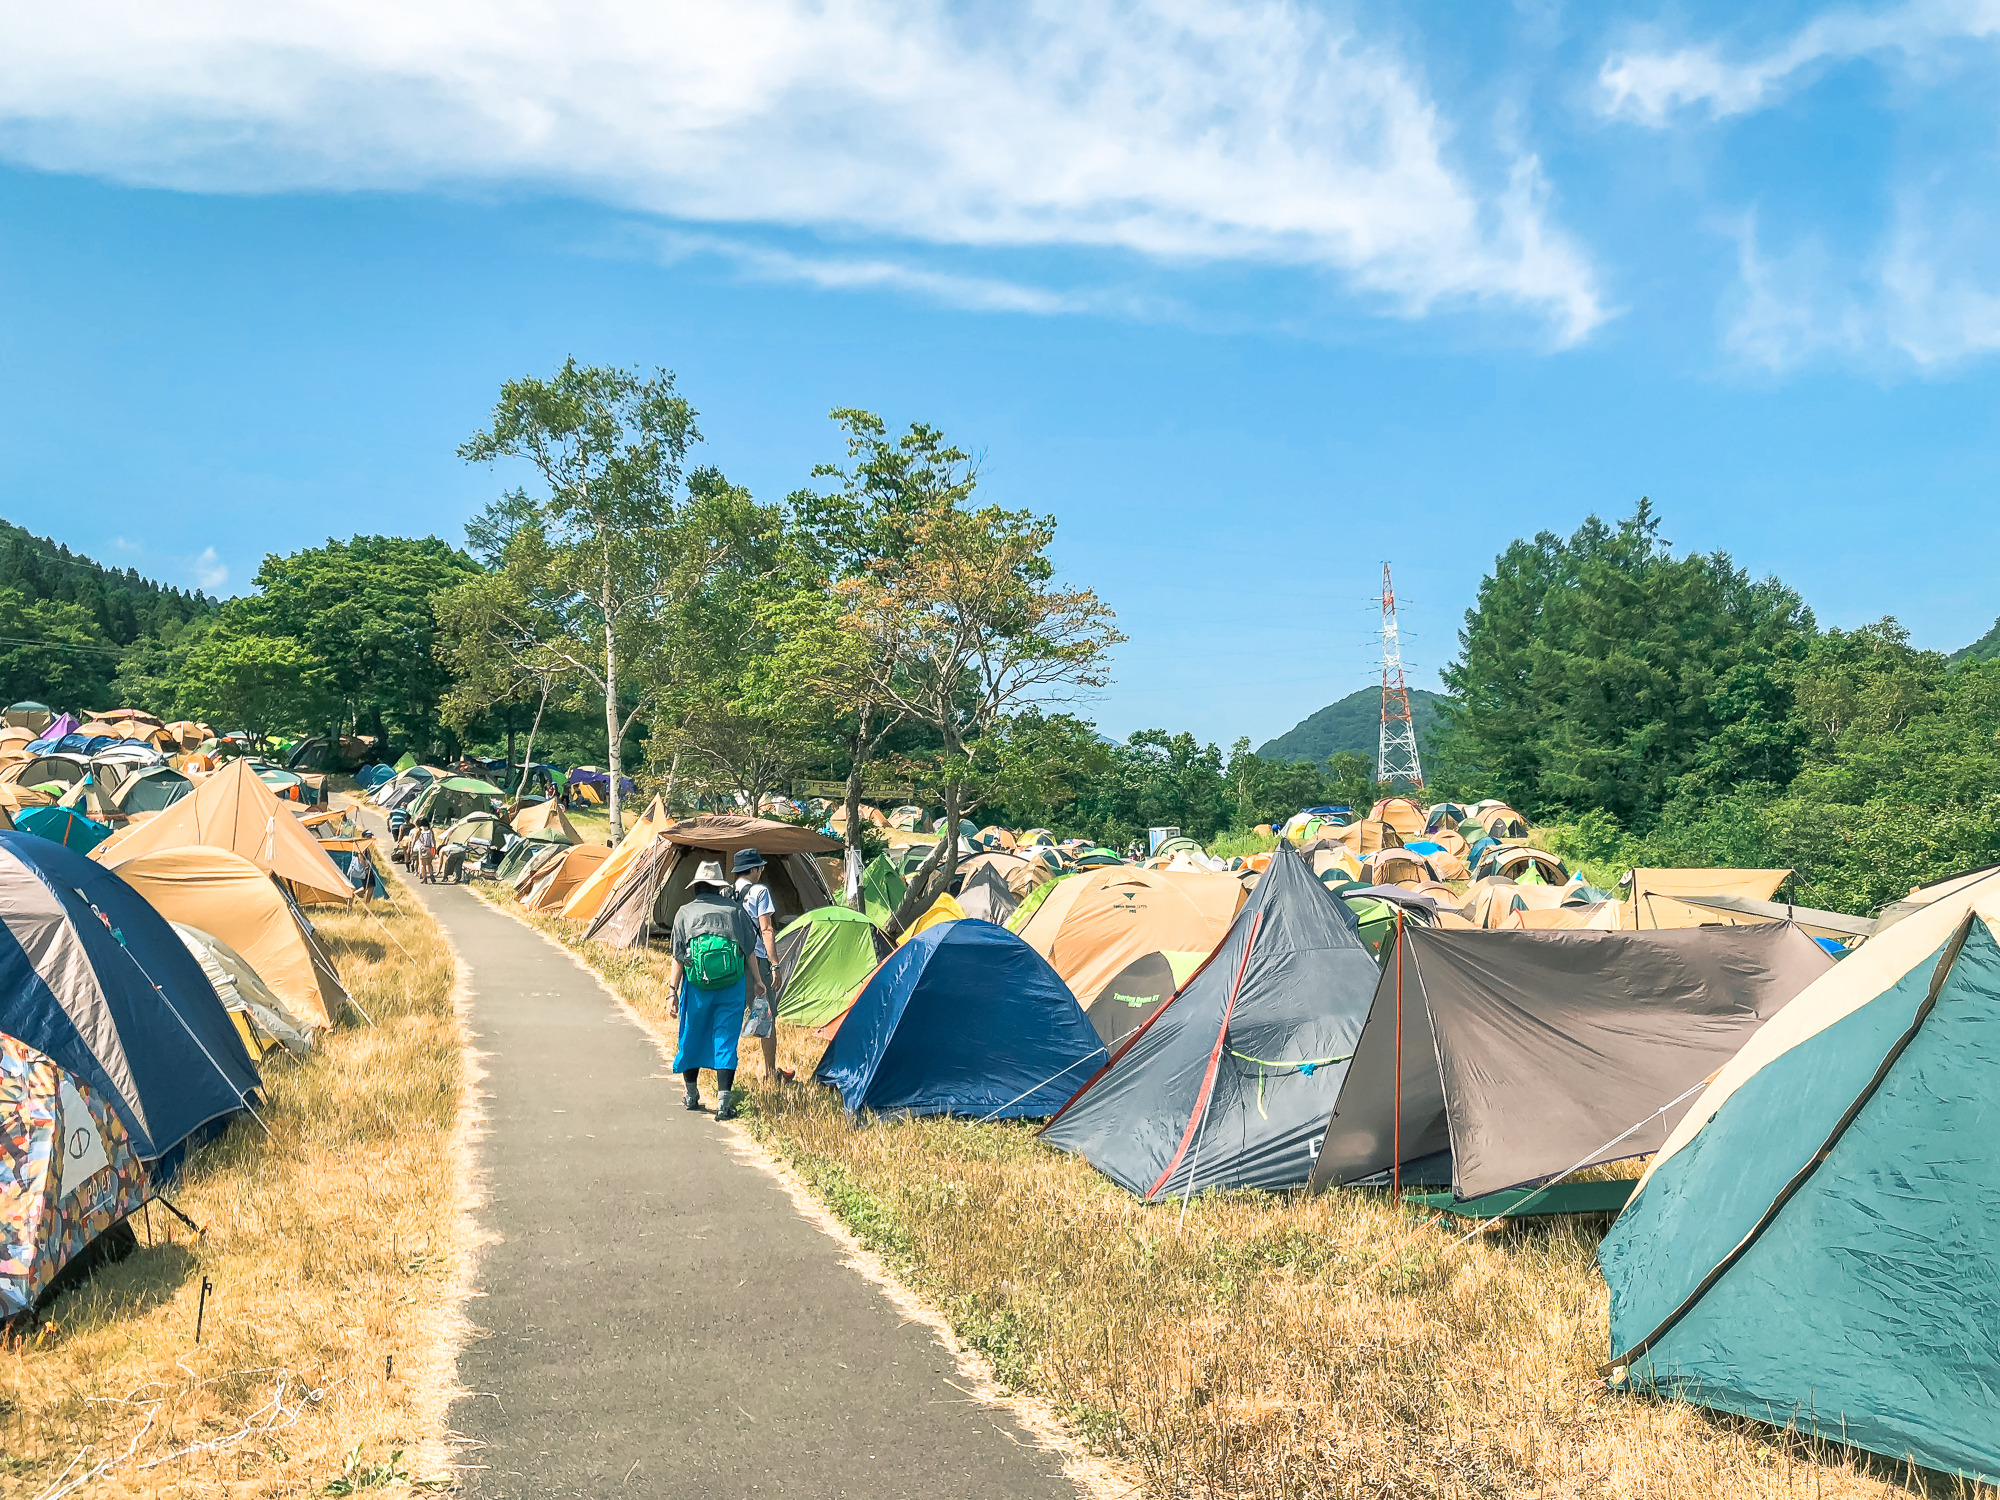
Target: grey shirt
x,y
711,911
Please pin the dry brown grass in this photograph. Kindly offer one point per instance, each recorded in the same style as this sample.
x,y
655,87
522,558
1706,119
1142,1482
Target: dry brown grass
x,y
332,1247
1270,1345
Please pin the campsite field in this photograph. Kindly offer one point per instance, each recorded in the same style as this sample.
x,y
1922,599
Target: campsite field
x,y
1266,1346
331,1248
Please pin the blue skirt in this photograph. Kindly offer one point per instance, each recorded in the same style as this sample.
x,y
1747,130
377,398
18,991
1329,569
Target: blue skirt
x,y
711,1020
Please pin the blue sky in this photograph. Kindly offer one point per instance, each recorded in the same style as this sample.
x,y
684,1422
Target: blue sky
x,y
1252,297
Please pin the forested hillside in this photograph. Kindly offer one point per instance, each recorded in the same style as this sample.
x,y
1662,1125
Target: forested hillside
x,y
67,623
1354,724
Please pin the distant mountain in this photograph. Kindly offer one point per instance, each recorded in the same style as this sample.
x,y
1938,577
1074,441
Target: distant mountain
x,y
1986,648
1354,723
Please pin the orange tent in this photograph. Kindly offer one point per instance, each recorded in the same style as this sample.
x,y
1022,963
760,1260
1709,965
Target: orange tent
x,y
234,810
584,902
226,895
1093,925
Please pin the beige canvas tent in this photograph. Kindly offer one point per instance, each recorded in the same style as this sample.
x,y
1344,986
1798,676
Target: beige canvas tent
x,y
1401,814
654,886
1366,837
225,894
545,817
555,883
1093,925
234,810
1653,891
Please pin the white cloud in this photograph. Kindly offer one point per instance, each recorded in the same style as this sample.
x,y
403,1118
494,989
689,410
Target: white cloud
x,y
1651,87
1917,304
1251,131
210,572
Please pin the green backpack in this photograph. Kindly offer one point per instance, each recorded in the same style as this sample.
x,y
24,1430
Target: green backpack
x,y
714,961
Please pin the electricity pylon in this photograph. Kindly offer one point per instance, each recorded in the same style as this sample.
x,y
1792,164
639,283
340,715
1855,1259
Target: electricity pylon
x,y
1397,759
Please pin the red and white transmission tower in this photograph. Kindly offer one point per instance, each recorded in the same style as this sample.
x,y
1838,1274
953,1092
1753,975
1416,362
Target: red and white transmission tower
x,y
1397,759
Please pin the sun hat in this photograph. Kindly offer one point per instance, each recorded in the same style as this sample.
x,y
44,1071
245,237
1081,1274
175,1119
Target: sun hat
x,y
709,872
748,859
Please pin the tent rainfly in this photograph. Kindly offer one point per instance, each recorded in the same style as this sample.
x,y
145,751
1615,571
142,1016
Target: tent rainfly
x,y
1231,1082
1524,1054
1091,927
1813,1245
822,959
652,889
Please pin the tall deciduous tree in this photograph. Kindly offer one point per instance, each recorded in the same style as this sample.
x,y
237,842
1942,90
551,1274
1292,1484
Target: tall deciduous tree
x,y
587,570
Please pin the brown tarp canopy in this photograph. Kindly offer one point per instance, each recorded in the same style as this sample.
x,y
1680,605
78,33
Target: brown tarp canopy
x,y
1525,1054
725,833
652,889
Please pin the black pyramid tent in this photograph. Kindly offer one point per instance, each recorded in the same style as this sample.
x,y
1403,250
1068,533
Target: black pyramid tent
x,y
1230,1083
1527,1053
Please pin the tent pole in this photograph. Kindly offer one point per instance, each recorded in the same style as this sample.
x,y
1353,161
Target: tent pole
x,y
1396,1168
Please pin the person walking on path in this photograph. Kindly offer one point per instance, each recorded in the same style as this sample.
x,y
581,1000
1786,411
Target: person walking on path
x,y
761,909
423,849
712,978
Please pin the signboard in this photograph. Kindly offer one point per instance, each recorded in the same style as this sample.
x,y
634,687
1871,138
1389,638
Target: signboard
x,y
1158,836
836,791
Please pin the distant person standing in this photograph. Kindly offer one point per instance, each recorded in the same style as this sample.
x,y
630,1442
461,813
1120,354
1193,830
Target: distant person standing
x,y
423,849
761,909
712,978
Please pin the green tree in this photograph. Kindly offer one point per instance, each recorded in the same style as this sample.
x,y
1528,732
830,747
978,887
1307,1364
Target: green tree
x,y
1598,670
589,571
262,683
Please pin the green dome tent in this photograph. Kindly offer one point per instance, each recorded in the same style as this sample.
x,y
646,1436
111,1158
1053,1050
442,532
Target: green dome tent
x,y
882,888
822,958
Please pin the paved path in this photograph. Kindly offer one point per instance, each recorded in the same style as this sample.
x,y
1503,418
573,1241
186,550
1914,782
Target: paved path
x,y
661,1320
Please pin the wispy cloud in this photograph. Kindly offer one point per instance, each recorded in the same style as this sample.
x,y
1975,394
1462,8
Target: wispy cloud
x,y
863,273
1259,131
210,572
1652,86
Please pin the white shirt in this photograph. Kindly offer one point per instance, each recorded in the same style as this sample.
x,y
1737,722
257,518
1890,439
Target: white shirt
x,y
756,898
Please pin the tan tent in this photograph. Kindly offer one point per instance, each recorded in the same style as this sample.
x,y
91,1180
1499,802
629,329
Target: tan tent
x,y
1401,814
225,894
233,810
1396,867
544,817
1094,924
585,901
653,887
13,739
1492,903
555,883
1366,836
1022,875
1653,892
57,765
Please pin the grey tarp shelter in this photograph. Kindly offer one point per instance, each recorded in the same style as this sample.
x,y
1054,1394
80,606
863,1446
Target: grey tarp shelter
x,y
1525,1053
1230,1083
649,894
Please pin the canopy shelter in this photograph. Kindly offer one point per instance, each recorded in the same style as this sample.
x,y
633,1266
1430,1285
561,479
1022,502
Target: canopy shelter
x,y
1091,926
653,890
154,789
1653,893
1525,1054
447,801
588,898
1813,1245
1230,1083
557,882
234,810
96,981
823,958
545,817
260,1015
224,894
965,1019
1130,996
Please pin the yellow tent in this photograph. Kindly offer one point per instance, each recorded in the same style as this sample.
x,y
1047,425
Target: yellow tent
x,y
225,894
233,810
1093,925
584,902
944,909
1653,892
554,884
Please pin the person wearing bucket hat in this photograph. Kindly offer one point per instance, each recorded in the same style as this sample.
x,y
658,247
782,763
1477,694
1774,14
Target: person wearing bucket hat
x,y
759,907
711,978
